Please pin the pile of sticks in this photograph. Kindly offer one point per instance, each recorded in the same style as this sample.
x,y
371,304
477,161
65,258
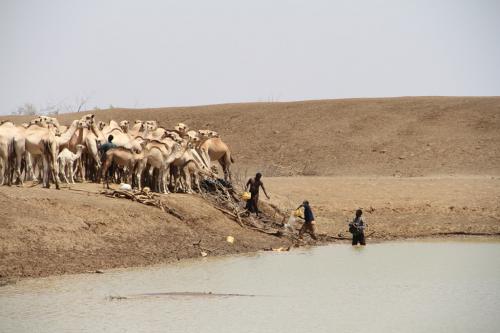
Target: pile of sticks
x,y
143,197
229,202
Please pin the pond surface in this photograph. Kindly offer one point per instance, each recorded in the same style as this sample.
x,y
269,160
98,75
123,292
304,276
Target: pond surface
x,y
446,286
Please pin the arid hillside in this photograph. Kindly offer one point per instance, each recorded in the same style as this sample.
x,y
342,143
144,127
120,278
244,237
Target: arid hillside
x,y
407,136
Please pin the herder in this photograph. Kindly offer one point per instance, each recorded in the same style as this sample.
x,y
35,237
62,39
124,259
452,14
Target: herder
x,y
357,229
309,225
253,185
107,146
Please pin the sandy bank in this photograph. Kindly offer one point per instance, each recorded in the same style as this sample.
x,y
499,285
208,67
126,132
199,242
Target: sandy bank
x,y
45,232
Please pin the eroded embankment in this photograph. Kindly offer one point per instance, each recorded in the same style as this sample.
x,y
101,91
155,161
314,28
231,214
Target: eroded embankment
x,y
45,232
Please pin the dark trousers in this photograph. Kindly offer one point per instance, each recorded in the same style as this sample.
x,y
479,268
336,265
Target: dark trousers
x,y
358,237
253,204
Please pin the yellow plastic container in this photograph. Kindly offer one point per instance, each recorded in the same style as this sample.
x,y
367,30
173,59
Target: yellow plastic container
x,y
299,213
246,196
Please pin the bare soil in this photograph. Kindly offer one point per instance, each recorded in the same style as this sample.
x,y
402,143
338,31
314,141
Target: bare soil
x,y
419,167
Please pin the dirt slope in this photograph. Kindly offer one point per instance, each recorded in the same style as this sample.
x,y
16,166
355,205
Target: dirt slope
x,y
45,232
408,136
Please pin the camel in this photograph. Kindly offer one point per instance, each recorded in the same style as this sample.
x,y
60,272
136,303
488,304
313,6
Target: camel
x,y
41,141
124,158
12,150
121,139
179,164
7,133
66,160
217,150
181,129
124,125
152,123
159,155
195,173
101,125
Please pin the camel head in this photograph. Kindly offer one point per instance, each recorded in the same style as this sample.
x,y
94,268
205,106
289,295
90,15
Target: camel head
x,y
101,125
149,127
207,134
193,137
82,124
124,125
6,122
25,125
173,135
89,119
35,122
181,128
79,147
46,121
153,124
137,121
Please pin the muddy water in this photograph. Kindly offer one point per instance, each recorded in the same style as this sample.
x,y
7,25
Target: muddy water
x,y
390,287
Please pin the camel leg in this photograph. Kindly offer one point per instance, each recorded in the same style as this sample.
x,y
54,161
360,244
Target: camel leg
x,y
187,179
45,175
62,171
1,172
166,178
104,175
17,172
71,172
225,164
53,169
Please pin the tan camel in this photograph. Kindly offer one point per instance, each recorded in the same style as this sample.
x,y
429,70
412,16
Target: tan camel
x,y
219,151
124,125
41,141
120,138
159,155
66,161
124,158
12,151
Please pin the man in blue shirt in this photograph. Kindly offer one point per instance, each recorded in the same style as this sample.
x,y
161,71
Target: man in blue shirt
x,y
107,146
309,225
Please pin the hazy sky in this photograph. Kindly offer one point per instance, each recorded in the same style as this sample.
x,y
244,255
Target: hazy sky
x,y
165,53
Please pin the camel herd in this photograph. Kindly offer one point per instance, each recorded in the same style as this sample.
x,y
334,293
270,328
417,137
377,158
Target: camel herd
x,y
145,153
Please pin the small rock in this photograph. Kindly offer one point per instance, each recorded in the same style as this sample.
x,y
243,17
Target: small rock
x,y
203,254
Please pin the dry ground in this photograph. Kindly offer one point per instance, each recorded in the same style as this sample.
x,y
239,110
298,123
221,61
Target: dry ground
x,y
407,136
73,230
418,166
397,207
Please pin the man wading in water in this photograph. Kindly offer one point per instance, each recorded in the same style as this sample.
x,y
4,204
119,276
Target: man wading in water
x,y
253,186
357,229
309,225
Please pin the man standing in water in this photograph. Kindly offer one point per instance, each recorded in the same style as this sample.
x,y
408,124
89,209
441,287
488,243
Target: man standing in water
x,y
357,229
309,225
253,186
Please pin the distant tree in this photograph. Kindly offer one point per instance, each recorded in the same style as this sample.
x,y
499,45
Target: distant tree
x,y
28,109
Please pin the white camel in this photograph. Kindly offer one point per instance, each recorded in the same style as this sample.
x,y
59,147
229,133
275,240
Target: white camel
x,y
66,161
